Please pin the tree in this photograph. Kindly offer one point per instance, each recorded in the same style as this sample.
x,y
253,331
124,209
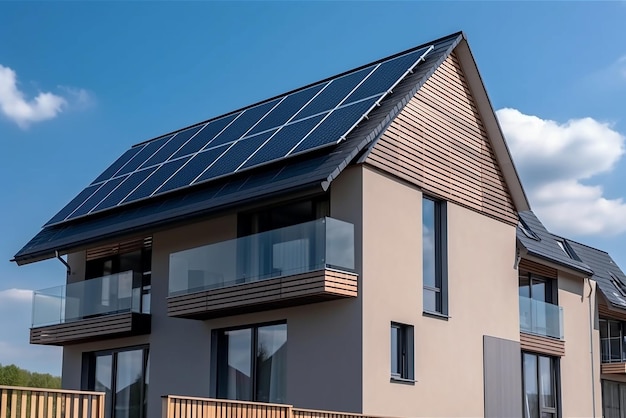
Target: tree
x,y
12,375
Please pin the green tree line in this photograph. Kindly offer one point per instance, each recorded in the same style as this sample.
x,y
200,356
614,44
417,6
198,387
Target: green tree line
x,y
12,375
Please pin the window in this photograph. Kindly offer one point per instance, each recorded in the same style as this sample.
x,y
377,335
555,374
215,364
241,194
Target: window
x,y
252,363
402,352
613,399
612,341
123,375
537,288
434,256
540,379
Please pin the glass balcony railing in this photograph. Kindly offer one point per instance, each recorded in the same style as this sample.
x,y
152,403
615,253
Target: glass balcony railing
x,y
315,245
87,299
540,318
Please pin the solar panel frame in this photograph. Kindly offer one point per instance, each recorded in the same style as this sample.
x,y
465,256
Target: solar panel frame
x,y
147,151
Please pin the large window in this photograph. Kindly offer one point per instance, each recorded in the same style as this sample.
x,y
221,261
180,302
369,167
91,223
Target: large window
x,y
540,375
537,288
402,367
251,363
123,375
613,399
434,256
612,341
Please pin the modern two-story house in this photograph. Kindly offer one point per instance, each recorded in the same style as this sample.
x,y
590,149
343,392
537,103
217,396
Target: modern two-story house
x,y
354,245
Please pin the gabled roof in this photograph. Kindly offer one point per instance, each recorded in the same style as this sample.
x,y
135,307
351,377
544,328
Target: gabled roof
x,y
536,242
308,172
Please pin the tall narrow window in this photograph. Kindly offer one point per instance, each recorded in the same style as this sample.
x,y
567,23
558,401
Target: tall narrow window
x,y
434,256
251,363
402,352
540,386
123,376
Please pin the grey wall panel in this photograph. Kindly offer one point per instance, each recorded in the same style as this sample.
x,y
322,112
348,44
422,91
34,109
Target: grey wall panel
x,y
502,377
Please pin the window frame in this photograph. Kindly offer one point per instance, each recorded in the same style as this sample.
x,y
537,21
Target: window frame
x,y
405,353
440,229
555,374
218,366
609,337
89,373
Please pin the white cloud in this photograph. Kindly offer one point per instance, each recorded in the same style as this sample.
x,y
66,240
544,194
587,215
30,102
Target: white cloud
x,y
15,106
554,158
16,295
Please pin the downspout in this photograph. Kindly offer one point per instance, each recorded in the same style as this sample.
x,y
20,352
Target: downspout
x,y
593,373
67,266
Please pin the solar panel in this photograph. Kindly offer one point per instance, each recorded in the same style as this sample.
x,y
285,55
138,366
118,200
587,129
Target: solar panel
x,y
317,116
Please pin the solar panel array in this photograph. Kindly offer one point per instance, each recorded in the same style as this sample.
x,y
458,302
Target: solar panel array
x,y
317,116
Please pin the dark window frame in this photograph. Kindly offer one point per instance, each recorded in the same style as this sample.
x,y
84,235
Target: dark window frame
x,y
89,372
405,355
552,291
217,354
441,258
605,341
555,372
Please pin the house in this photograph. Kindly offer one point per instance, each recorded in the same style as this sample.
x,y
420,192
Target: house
x,y
351,246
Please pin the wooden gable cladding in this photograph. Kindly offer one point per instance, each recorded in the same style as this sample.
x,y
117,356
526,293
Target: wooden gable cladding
x,y
118,248
438,142
527,266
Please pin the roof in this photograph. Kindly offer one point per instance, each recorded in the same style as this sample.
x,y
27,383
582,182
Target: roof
x,y
606,272
537,242
311,171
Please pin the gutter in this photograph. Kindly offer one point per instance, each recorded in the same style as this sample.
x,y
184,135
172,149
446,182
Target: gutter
x,y
593,373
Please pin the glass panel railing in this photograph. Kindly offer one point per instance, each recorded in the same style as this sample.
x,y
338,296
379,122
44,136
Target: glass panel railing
x,y
323,243
540,318
115,293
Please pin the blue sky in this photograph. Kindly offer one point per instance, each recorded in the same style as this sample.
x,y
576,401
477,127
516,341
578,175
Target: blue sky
x,y
81,82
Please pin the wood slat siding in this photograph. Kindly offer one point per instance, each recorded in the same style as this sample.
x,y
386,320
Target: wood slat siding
x,y
190,407
438,142
607,313
98,328
118,248
543,345
613,368
315,286
526,266
50,403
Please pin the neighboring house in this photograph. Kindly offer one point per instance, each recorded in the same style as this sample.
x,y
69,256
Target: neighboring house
x,y
557,302
349,246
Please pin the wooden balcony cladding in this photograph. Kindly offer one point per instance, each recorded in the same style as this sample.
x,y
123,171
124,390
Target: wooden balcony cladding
x,y
613,368
190,407
438,142
50,403
91,329
315,286
542,345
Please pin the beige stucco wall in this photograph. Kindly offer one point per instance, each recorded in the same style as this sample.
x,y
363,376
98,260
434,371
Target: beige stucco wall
x,y
576,368
482,301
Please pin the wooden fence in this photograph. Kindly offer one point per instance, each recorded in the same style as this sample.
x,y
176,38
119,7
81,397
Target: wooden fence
x,y
20,402
190,407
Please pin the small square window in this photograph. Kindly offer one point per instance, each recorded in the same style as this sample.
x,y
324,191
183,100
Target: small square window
x,y
402,352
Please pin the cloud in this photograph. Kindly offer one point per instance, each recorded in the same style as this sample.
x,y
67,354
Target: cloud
x,y
554,159
15,106
16,295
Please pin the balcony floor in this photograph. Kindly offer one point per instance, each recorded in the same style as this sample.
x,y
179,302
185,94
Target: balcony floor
x,y
91,329
299,289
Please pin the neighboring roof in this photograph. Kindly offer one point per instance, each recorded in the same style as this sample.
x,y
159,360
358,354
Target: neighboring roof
x,y
537,242
606,272
311,172
540,244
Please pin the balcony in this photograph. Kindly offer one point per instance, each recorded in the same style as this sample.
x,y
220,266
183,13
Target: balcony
x,y
106,307
541,327
299,264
